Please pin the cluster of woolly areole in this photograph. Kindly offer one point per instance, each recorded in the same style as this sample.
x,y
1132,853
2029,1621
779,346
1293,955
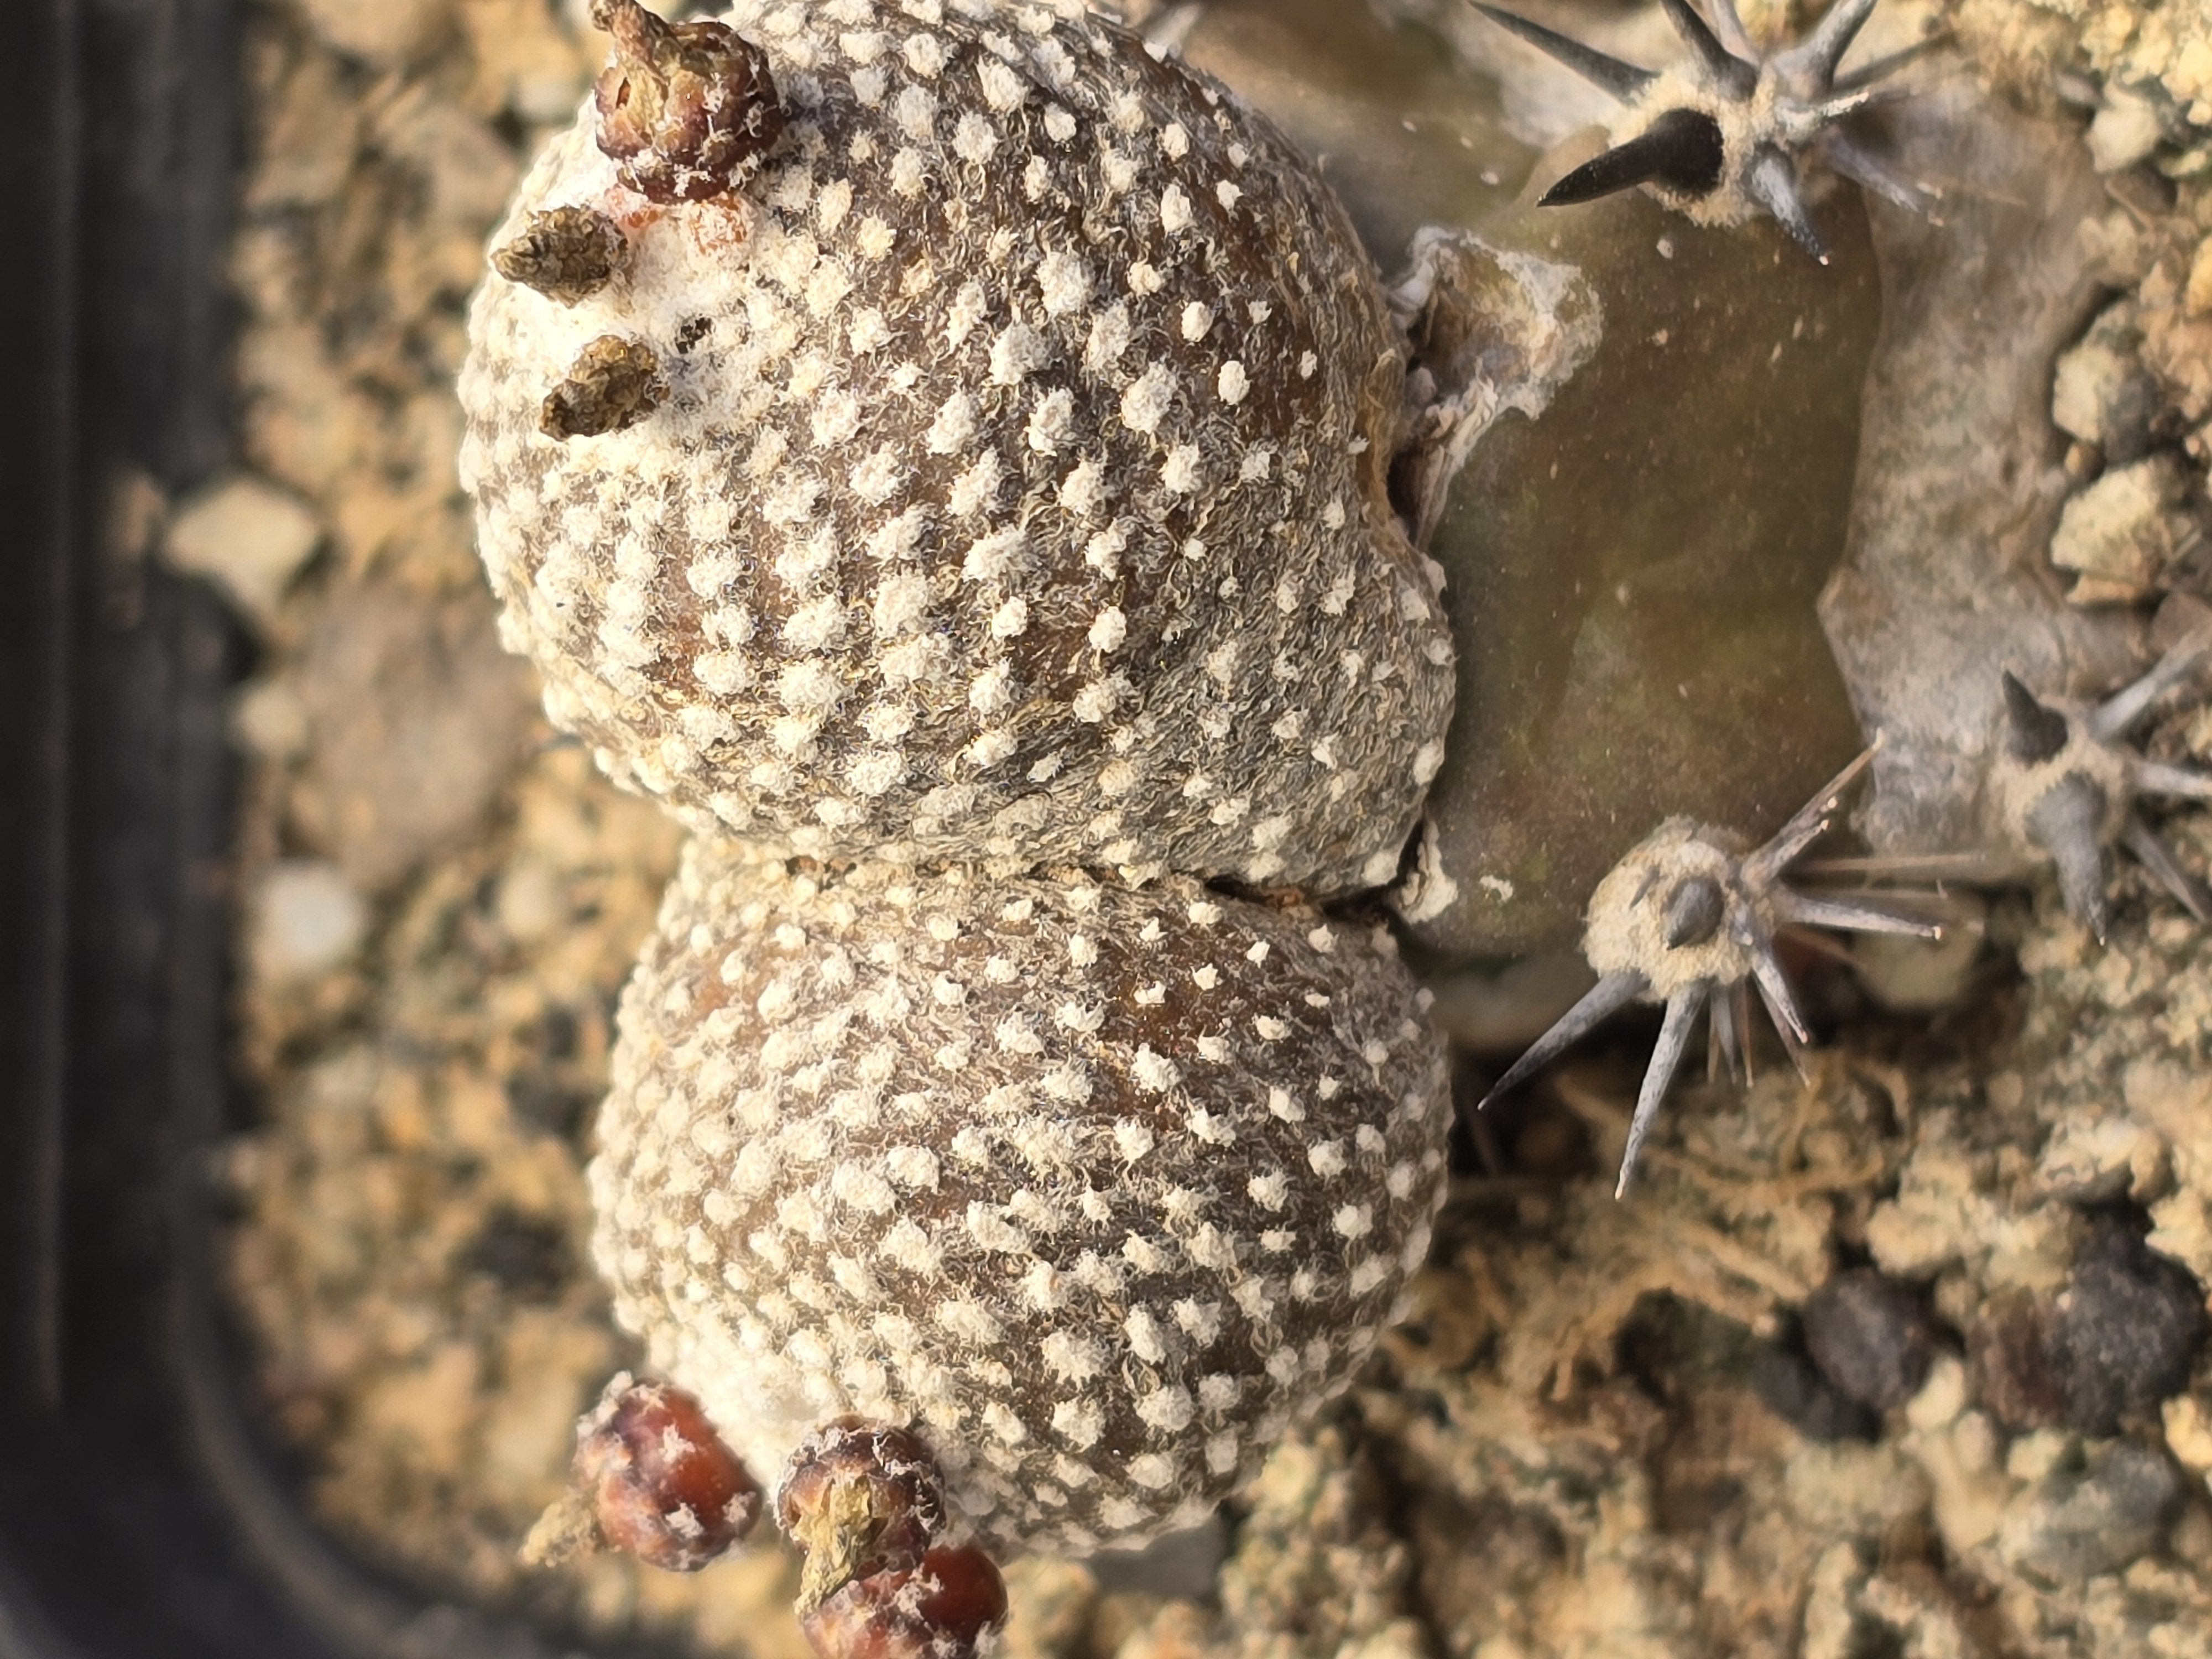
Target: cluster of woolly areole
x,y
991,539
1099,1187
1017,494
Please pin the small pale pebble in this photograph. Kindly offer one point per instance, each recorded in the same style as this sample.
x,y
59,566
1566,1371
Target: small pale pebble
x,y
248,537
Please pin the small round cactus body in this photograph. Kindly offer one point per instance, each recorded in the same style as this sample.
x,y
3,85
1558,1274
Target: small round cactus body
x,y
1723,138
1010,482
1094,1187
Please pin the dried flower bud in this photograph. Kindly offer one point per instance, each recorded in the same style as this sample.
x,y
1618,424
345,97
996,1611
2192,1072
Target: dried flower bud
x,y
568,254
940,1609
858,1498
1097,1187
613,384
662,1485
688,110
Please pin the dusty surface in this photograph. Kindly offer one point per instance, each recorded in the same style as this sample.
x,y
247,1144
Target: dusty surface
x,y
1910,1361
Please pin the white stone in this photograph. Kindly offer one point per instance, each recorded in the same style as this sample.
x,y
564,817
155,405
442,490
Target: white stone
x,y
305,919
247,537
2125,131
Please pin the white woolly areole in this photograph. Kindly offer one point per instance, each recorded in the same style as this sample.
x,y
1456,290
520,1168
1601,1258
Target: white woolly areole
x,y
1098,1188
943,354
1626,929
